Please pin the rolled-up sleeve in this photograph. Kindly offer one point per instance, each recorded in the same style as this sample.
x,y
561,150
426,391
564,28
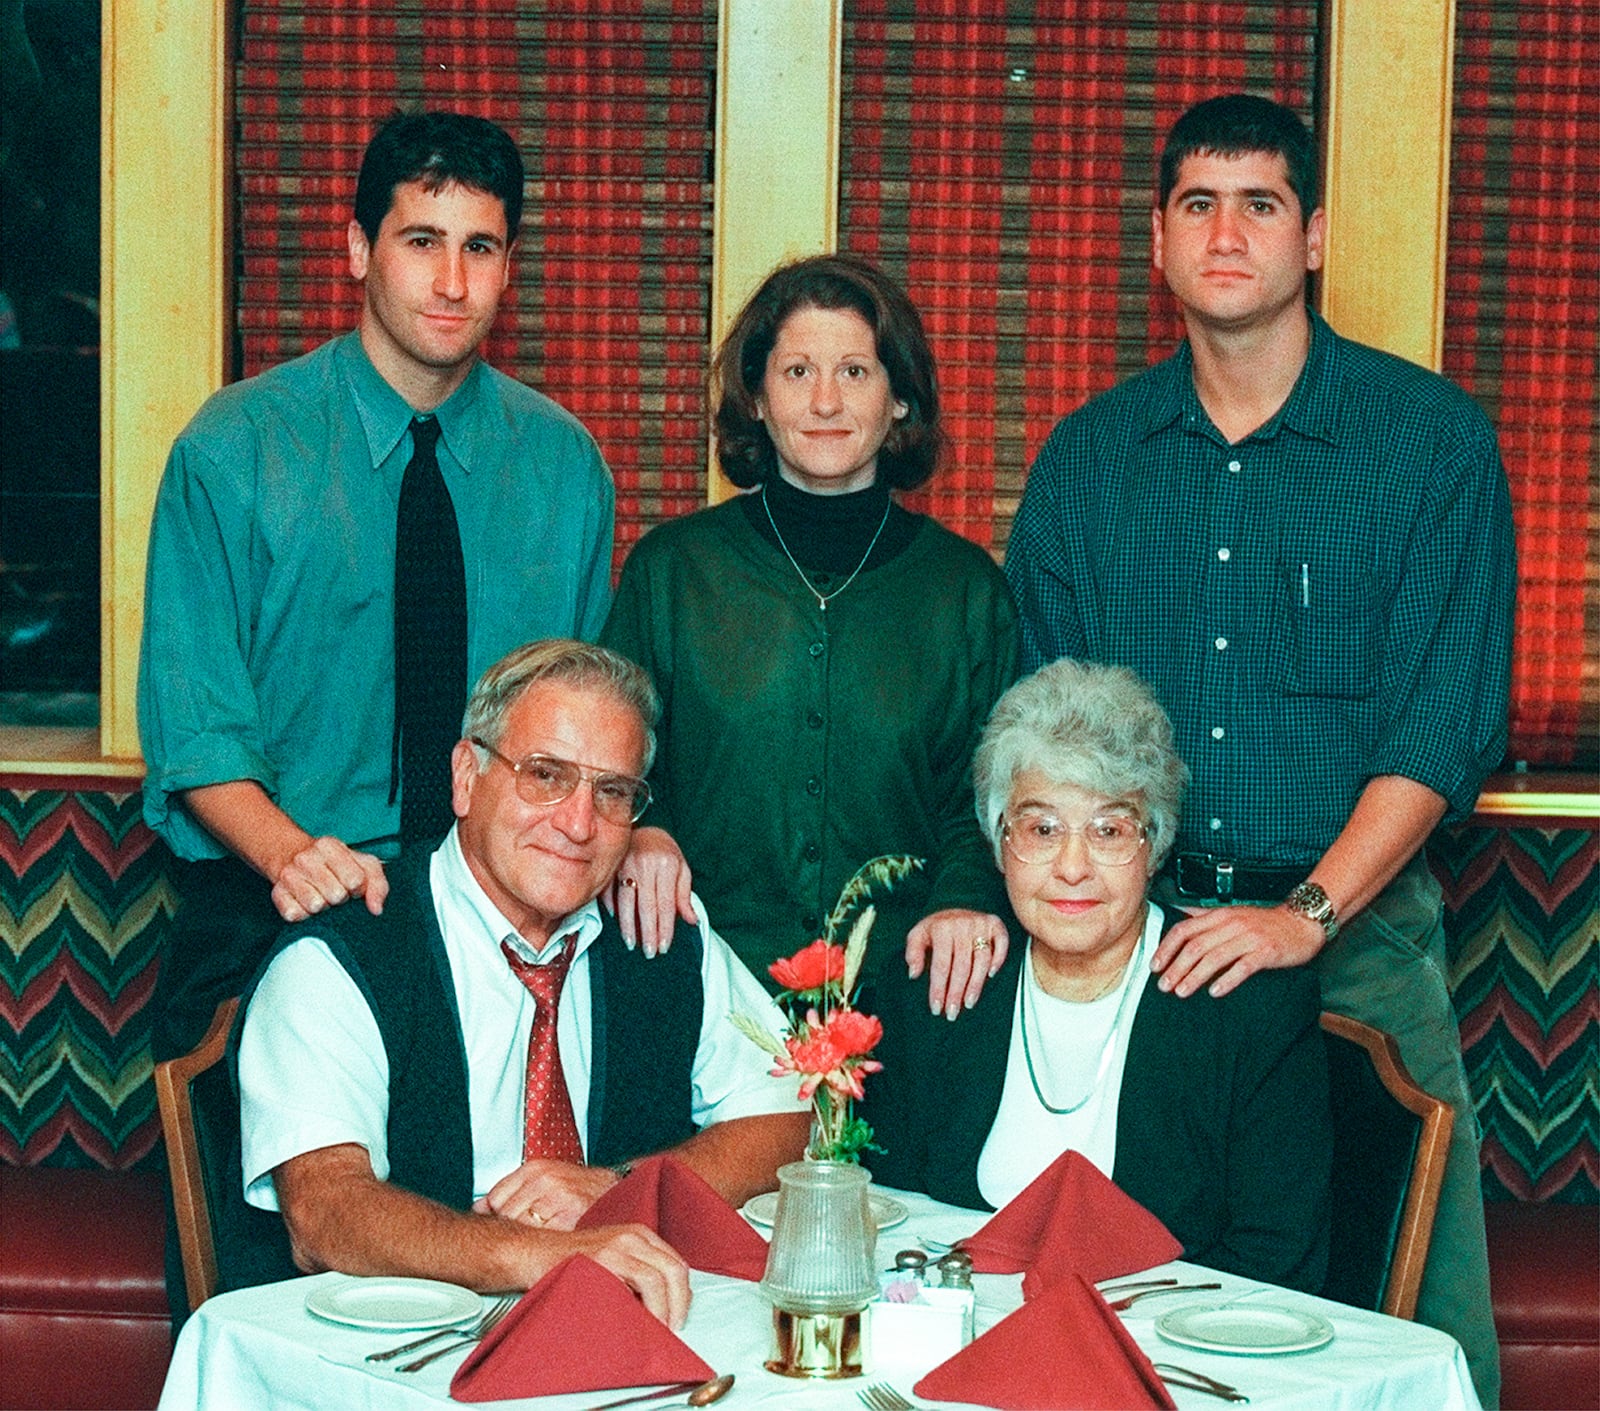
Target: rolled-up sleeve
x,y
1447,651
199,721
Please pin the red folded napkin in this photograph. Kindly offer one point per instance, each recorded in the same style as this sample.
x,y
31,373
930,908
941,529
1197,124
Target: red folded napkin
x,y
579,1328
1070,1219
1064,1348
680,1207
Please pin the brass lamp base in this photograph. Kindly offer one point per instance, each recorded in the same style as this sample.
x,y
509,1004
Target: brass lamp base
x,y
821,1346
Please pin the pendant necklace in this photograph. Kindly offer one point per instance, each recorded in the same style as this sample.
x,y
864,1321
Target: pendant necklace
x,y
1106,1049
824,599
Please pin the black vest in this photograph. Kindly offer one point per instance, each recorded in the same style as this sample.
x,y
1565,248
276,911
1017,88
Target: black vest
x,y
645,1018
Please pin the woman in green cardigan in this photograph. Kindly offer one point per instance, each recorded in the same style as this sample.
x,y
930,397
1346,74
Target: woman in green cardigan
x,y
826,658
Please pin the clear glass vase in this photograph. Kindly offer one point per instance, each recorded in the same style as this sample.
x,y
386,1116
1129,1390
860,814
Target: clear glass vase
x,y
820,1270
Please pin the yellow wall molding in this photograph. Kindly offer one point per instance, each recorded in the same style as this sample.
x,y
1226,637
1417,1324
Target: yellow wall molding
x,y
777,149
1386,140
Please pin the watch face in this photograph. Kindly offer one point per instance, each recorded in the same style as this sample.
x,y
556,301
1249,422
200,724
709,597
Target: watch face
x,y
1308,899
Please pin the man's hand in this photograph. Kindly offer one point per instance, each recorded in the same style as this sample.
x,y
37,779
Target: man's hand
x,y
650,890
308,874
549,1195
968,947
1224,946
644,1261
326,873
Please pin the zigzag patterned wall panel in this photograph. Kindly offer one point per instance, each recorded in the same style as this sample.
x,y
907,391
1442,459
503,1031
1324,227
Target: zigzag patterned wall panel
x,y
1525,972
85,907
84,910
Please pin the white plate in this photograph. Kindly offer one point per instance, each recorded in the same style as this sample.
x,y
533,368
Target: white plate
x,y
763,1209
1256,1330
393,1305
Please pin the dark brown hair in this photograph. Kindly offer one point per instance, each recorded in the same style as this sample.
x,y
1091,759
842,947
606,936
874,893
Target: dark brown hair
x,y
744,448
1232,125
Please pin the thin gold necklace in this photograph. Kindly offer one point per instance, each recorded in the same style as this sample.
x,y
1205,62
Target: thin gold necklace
x,y
824,599
1106,1049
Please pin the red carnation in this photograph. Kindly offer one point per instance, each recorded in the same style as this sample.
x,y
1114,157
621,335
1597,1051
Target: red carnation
x,y
811,968
852,1032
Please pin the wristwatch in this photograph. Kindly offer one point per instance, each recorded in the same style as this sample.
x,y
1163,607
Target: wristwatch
x,y
1308,899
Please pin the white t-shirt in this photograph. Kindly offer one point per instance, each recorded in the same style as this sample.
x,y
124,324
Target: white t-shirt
x,y
313,1071
1077,1049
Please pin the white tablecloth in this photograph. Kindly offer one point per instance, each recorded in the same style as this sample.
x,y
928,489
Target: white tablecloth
x,y
259,1348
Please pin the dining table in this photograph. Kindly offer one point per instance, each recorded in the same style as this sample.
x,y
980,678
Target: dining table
x,y
262,1348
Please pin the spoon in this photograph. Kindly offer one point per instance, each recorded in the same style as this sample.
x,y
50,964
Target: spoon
x,y
700,1393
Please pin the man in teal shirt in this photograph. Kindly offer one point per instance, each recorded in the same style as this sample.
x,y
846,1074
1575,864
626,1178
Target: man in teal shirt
x,y
267,672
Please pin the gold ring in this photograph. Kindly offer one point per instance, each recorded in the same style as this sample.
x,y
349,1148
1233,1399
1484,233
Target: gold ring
x,y
629,882
538,1219
984,944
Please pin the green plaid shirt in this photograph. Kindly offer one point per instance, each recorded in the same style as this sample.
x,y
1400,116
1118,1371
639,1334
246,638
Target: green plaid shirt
x,y
1328,600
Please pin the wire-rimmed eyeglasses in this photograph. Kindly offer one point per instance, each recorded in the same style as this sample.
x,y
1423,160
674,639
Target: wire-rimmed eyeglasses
x,y
544,779
1037,837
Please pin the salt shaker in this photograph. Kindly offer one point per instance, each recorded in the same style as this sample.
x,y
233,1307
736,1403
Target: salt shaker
x,y
955,1270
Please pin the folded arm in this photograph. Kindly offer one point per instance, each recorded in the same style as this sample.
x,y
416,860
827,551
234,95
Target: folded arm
x,y
340,1216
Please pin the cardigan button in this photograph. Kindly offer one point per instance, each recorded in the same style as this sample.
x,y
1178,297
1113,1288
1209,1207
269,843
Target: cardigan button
x,y
814,719
813,786
816,649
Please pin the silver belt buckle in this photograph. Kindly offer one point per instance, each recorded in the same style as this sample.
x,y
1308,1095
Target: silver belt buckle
x,y
1224,881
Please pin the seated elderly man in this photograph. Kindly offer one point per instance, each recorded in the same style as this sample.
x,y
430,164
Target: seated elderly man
x,y
407,1103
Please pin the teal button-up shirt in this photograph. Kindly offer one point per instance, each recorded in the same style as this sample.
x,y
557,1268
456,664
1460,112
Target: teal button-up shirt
x,y
268,650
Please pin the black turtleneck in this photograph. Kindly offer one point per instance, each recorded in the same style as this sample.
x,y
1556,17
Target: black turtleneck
x,y
828,534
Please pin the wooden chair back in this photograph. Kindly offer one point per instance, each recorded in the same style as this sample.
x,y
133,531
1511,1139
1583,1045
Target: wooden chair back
x,y
175,1080
1390,1141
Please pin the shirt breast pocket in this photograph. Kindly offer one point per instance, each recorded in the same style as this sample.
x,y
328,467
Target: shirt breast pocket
x,y
1325,629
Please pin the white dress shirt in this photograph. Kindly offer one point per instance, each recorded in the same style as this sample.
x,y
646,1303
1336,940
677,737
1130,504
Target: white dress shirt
x,y
313,1071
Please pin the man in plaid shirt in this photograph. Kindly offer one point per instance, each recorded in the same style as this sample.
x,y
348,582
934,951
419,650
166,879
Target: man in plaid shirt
x,y
1305,546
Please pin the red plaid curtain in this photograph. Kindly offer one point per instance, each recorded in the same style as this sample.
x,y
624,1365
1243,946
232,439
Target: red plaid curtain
x,y
610,103
999,158
1522,333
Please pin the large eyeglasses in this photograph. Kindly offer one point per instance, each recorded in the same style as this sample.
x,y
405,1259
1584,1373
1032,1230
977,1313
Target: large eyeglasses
x,y
1037,838
544,779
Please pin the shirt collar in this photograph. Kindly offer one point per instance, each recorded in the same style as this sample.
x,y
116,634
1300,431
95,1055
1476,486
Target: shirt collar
x,y
386,416
1311,410
1313,406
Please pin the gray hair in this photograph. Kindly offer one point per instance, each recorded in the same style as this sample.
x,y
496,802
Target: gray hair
x,y
579,664
1095,727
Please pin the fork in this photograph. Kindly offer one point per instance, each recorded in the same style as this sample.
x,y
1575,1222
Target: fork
x,y
880,1396
1121,1304
472,1335
495,1310
1170,1373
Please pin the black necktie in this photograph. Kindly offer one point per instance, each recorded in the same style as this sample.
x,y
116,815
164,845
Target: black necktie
x,y
430,641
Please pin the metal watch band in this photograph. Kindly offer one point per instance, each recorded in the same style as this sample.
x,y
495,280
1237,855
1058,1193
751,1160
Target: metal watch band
x,y
1308,899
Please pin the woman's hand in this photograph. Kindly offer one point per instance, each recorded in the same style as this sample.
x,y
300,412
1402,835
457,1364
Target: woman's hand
x,y
967,946
650,891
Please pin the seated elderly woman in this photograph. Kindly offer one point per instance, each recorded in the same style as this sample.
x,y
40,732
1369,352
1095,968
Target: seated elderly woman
x,y
1211,1113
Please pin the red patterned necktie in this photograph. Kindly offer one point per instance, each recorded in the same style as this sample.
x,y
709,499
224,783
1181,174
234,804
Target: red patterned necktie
x,y
548,1130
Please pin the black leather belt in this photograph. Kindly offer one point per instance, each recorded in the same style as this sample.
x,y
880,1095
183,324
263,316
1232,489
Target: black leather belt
x,y
1206,877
